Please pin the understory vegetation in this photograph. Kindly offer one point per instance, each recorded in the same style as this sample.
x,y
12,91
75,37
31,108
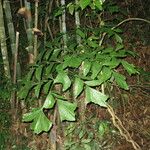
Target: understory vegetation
x,y
74,75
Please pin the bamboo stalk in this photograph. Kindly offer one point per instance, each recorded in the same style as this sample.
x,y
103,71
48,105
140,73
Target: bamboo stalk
x,y
4,50
60,22
63,25
35,26
14,49
15,69
16,58
77,22
10,25
29,34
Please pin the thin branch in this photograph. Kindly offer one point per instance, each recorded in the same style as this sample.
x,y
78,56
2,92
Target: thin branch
x,y
122,22
130,19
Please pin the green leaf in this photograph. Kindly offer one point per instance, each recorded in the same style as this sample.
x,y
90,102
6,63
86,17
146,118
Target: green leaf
x,y
84,3
78,87
96,68
130,68
105,74
73,62
55,54
121,80
117,30
113,9
38,89
48,45
38,73
28,117
86,67
29,76
49,102
98,4
66,110
63,78
103,128
71,8
92,41
47,86
80,33
58,96
93,44
86,140
113,63
119,46
60,67
93,83
92,6
118,38
131,53
87,146
119,54
95,96
108,50
49,69
82,133
41,123
48,54
24,91
58,12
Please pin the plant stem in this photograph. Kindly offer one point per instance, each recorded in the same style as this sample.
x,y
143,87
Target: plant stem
x,y
35,26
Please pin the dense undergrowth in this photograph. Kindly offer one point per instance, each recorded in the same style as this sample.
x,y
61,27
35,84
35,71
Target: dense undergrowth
x,y
94,128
